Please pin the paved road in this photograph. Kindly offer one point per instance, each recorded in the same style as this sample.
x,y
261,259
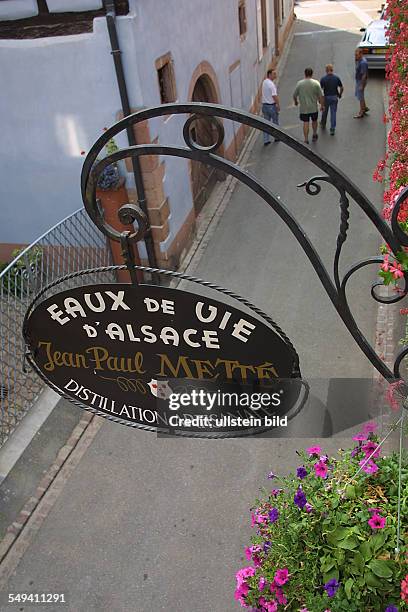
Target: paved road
x,y
145,524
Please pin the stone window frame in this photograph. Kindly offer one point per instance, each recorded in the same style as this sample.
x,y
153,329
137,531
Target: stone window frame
x,y
242,19
166,61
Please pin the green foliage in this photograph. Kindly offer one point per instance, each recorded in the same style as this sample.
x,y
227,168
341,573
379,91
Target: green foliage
x,y
332,538
13,282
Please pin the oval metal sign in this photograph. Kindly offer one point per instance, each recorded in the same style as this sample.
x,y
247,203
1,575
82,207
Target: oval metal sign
x,y
138,353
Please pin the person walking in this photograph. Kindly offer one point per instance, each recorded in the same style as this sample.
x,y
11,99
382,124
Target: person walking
x,y
333,90
307,95
361,82
270,103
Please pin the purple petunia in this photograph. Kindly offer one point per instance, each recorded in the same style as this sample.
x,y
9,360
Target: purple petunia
x,y
391,609
267,546
301,472
331,587
300,498
273,515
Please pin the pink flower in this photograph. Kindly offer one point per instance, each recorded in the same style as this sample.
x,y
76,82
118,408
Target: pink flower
x,y
240,593
308,507
270,606
371,449
314,450
404,589
360,437
281,576
281,597
261,518
386,264
320,469
261,583
396,271
374,510
253,521
243,574
369,467
248,554
377,522
370,427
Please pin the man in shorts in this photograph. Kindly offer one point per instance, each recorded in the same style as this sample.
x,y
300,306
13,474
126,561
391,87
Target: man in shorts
x,y
307,95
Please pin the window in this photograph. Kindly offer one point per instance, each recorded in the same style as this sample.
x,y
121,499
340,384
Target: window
x,y
242,18
264,24
167,82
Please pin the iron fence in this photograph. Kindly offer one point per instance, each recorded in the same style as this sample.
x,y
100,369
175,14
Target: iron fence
x,y
73,244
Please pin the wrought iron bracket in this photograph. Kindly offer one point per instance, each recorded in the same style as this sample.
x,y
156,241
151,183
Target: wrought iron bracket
x,y
335,285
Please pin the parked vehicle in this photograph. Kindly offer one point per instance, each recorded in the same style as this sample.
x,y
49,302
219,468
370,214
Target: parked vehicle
x,y
374,42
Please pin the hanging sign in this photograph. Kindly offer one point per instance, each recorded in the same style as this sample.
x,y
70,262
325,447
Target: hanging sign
x,y
137,353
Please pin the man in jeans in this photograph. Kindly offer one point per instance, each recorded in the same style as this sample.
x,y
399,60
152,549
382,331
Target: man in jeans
x,y
361,82
307,95
333,90
270,103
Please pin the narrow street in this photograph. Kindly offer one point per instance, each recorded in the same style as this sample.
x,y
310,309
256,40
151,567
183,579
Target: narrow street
x,y
148,524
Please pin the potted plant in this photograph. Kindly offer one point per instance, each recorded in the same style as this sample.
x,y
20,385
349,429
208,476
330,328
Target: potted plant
x,y
326,537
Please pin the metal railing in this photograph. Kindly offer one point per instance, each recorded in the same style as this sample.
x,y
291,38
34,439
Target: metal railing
x,y
73,244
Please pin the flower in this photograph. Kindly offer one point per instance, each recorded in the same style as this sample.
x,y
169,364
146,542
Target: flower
x,y
377,521
240,594
308,507
331,587
271,476
391,609
320,469
404,589
243,574
370,427
273,515
360,437
355,451
281,576
261,583
301,472
369,467
314,450
300,498
267,546
275,492
280,597
271,606
371,449
374,510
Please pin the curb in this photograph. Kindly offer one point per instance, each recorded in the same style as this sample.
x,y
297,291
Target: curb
x,y
14,530
385,346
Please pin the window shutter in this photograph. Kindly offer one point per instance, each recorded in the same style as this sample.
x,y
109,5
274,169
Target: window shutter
x,y
268,21
259,28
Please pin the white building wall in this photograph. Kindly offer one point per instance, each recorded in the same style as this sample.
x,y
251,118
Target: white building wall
x,y
60,92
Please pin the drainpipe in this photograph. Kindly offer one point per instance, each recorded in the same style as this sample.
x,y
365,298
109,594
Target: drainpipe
x,y
120,76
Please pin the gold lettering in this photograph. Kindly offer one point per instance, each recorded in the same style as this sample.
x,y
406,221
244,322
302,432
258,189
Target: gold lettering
x,y
139,363
100,355
229,366
49,366
202,369
264,369
181,363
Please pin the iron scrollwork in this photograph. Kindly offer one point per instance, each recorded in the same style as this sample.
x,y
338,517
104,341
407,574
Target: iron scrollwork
x,y
335,286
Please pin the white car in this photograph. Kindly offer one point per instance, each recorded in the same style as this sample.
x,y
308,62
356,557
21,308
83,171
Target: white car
x,y
375,42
